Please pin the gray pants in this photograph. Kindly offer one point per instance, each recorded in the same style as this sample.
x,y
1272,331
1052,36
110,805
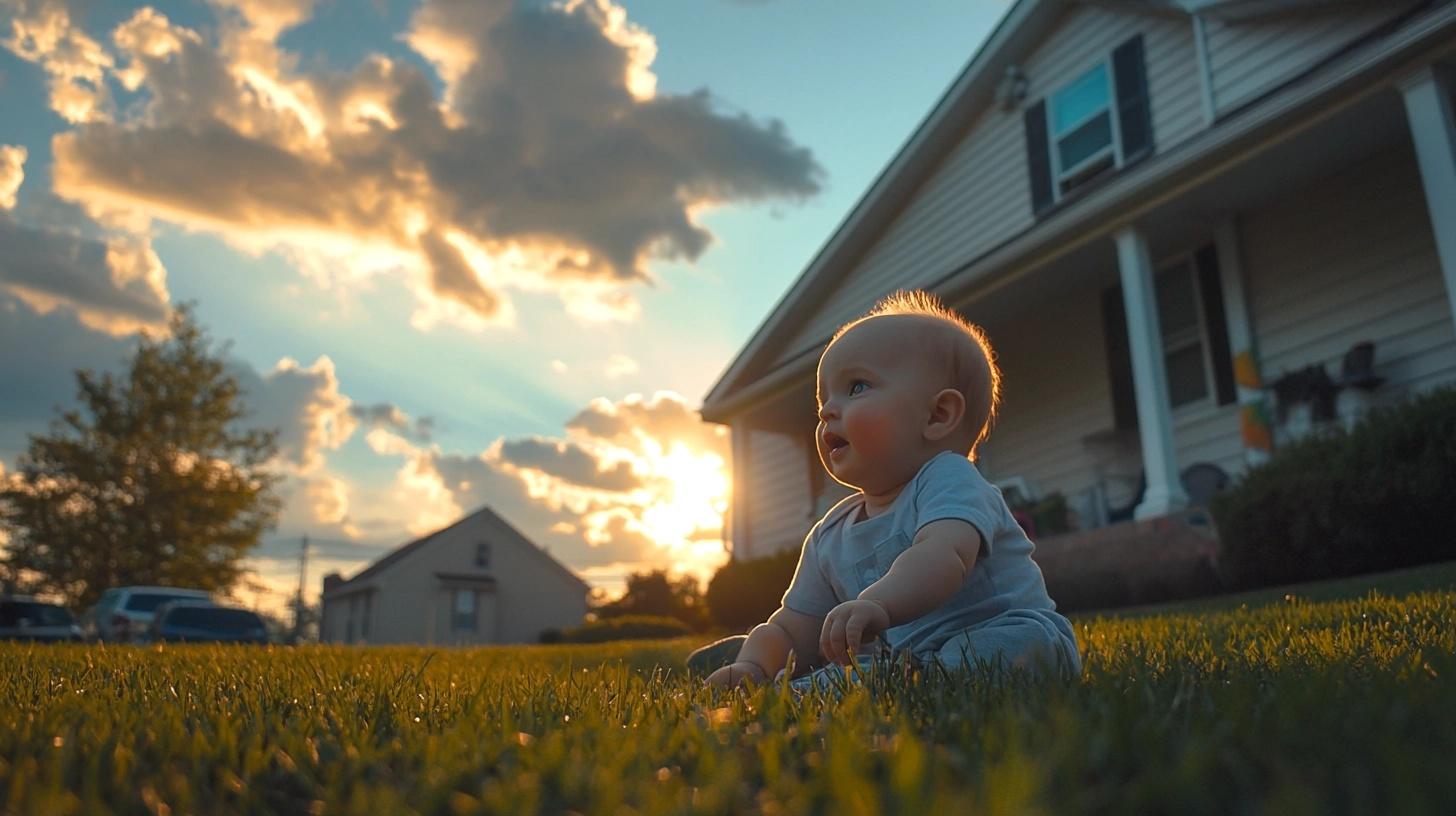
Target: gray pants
x,y
1018,639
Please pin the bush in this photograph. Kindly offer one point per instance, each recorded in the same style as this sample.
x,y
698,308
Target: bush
x,y
1340,502
550,635
744,593
626,627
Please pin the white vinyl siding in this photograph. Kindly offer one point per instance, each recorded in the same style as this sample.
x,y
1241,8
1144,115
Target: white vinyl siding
x,y
1352,258
979,196
1250,57
778,493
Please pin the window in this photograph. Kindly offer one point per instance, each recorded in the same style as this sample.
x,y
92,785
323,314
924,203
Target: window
x,y
1082,128
1097,121
1184,344
1196,356
482,555
463,604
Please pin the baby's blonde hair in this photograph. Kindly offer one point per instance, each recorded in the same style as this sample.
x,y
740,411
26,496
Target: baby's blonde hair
x,y
964,350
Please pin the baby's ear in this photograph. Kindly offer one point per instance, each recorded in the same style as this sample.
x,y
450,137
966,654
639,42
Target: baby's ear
x,y
947,409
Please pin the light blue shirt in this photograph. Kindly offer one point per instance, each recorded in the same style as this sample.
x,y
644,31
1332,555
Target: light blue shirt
x,y
842,556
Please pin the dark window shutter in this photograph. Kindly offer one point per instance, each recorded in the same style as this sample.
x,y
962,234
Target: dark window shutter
x,y
1038,156
1119,360
1211,288
1134,117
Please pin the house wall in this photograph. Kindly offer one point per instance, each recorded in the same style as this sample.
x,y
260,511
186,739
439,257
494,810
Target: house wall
x,y
1352,258
980,195
533,593
1249,57
778,493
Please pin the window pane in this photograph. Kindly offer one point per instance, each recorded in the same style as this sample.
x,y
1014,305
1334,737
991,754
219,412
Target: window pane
x,y
1085,142
1186,379
464,601
464,617
1085,96
1177,305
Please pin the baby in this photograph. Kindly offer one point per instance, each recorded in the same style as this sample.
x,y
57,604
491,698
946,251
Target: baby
x,y
926,555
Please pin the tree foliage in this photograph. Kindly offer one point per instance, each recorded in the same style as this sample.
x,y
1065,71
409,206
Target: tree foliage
x,y
656,593
151,480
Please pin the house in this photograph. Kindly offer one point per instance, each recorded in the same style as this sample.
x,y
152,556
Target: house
x,y
1159,210
476,581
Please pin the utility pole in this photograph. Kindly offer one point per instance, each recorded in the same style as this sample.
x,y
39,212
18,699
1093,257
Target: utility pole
x,y
302,579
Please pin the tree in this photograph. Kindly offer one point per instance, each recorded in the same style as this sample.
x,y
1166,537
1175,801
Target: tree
x,y
150,481
655,593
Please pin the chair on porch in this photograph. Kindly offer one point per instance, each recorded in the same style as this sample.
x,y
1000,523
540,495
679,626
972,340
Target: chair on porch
x,y
1201,481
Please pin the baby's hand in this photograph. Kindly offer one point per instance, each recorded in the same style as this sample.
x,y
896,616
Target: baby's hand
x,y
737,674
849,625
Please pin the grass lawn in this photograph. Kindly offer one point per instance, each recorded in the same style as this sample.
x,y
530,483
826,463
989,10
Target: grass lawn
x,y
1265,704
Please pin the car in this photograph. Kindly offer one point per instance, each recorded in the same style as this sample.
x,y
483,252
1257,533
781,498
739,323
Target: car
x,y
25,618
123,613
195,622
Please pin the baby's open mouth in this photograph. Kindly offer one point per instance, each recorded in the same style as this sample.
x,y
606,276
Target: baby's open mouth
x,y
834,441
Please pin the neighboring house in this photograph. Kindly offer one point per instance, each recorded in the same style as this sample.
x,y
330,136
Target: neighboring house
x,y
477,581
1157,210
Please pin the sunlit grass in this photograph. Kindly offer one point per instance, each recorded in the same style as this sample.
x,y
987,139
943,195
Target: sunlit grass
x,y
1296,707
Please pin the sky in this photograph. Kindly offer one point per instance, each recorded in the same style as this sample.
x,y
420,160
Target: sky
x,y
459,253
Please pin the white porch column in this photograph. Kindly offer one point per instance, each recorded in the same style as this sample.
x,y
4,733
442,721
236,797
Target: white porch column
x,y
1254,426
1164,493
1428,107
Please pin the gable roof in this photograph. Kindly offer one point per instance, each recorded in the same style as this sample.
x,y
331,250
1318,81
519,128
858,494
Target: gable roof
x,y
484,513
1018,31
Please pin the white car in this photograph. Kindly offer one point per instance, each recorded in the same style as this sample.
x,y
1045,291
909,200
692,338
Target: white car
x,y
124,613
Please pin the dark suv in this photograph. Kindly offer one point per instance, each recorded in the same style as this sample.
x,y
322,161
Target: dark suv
x,y
25,618
206,623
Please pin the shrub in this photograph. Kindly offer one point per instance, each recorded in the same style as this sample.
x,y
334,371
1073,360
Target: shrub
x,y
550,635
744,593
626,627
1340,502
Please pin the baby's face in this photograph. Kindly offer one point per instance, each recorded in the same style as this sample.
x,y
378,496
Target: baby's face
x,y
875,394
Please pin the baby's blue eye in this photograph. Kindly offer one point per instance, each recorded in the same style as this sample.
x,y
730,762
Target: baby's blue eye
x,y
857,386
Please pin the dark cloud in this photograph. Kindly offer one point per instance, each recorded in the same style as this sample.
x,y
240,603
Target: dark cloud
x,y
665,418
386,415
118,285
39,355
569,462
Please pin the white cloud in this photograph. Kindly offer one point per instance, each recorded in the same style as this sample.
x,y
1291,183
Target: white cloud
x,y
632,482
305,404
42,31
620,365
550,163
12,174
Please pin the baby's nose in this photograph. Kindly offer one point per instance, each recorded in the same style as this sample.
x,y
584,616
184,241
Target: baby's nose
x,y
826,411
